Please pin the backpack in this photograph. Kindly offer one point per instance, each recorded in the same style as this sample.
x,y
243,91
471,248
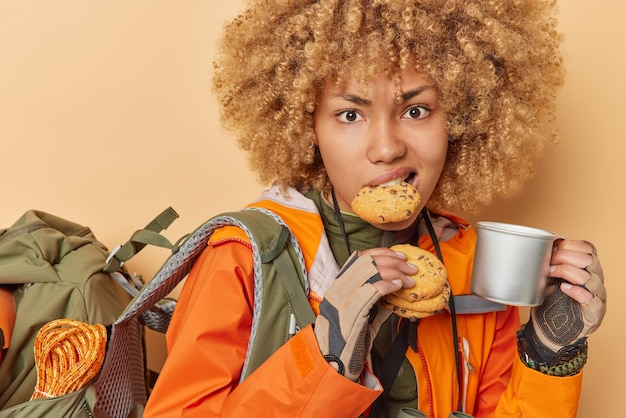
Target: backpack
x,y
58,269
119,390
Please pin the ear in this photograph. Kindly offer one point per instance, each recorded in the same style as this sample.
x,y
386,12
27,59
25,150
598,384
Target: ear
x,y
313,137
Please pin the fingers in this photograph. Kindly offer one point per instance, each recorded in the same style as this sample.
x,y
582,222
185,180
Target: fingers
x,y
572,274
576,253
578,293
575,245
571,261
393,269
386,287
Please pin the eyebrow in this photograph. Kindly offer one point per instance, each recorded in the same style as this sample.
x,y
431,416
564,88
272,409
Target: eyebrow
x,y
416,92
353,98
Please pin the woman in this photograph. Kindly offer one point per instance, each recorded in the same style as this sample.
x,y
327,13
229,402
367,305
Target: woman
x,y
454,98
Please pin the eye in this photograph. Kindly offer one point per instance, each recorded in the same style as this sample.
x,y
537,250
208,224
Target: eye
x,y
416,112
349,116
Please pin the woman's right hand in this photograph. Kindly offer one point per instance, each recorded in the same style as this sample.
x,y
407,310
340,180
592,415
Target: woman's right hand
x,y
349,316
393,268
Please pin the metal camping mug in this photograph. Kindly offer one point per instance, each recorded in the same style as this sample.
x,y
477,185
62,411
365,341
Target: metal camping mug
x,y
511,263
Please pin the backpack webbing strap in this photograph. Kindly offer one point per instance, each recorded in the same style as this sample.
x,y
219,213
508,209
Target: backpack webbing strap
x,y
278,250
298,299
148,235
277,253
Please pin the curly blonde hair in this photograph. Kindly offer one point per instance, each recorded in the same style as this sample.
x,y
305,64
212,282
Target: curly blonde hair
x,y
496,64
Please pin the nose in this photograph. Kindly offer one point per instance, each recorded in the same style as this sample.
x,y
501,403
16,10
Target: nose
x,y
385,143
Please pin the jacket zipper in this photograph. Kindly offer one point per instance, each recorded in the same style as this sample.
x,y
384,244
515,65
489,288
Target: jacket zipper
x,y
468,368
429,386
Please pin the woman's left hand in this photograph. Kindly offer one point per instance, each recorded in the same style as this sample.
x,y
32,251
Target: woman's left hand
x,y
576,262
575,301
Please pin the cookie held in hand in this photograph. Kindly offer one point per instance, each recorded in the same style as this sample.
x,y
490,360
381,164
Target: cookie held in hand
x,y
385,204
419,308
431,292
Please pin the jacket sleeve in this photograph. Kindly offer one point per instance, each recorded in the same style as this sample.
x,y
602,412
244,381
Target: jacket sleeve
x,y
207,342
7,319
534,394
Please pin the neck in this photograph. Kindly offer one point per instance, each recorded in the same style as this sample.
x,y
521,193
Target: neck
x,y
360,234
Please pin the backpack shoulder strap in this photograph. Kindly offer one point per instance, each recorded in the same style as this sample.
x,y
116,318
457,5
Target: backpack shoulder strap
x,y
281,304
273,247
275,253
278,246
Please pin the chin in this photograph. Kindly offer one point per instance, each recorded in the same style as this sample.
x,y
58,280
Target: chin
x,y
397,226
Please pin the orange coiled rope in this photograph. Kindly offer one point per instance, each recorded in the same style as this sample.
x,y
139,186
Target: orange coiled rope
x,y
68,355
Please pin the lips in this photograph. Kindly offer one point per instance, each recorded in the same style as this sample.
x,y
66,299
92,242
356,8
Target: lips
x,y
408,178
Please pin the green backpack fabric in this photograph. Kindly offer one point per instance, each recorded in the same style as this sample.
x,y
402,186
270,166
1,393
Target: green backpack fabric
x,y
281,308
58,269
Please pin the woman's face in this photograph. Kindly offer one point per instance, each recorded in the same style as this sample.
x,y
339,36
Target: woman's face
x,y
371,139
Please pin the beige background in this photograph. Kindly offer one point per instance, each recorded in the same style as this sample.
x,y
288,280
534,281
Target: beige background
x,y
106,118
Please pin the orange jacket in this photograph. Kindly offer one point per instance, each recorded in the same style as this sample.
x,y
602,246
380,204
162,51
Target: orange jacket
x,y
7,318
208,336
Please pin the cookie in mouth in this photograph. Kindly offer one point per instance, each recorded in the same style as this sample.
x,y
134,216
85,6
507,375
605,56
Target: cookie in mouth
x,y
387,203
